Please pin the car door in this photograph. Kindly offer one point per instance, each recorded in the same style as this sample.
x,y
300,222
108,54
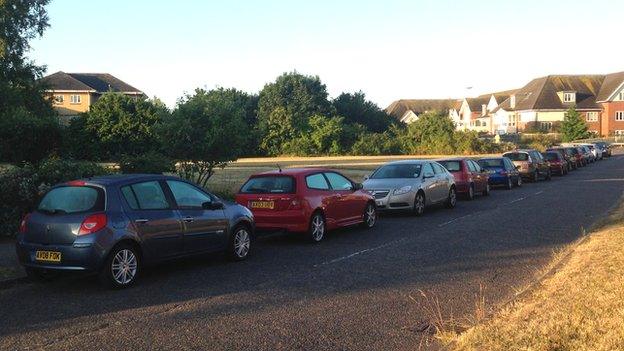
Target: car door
x,y
350,205
318,187
156,221
480,175
430,184
205,229
442,184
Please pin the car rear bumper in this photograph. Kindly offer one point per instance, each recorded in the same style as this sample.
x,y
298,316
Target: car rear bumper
x,y
462,187
497,179
84,258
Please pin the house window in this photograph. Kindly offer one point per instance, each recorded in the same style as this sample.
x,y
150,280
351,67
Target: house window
x,y
619,132
74,99
620,96
569,97
619,116
546,125
592,117
58,99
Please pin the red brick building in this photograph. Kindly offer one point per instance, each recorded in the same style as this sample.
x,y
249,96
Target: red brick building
x,y
611,98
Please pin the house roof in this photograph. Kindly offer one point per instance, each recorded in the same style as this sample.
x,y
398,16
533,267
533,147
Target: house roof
x,y
611,82
542,93
398,108
94,82
476,104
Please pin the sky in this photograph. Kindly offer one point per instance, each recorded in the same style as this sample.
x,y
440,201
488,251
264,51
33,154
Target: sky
x,y
388,49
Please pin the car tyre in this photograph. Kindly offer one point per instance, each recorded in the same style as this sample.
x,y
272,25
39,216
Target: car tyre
x,y
509,184
240,244
370,216
316,232
535,177
548,175
419,203
470,195
486,191
121,268
519,182
451,201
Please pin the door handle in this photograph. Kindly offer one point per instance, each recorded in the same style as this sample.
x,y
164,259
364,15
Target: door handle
x,y
188,219
141,221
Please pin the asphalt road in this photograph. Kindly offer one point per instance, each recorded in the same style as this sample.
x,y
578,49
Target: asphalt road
x,y
358,290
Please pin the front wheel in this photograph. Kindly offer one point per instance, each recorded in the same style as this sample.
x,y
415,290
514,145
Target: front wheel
x,y
486,191
519,182
535,177
370,216
451,201
316,232
240,243
121,267
419,204
548,175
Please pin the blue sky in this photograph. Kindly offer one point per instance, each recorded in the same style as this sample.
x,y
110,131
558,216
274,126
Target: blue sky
x,y
389,49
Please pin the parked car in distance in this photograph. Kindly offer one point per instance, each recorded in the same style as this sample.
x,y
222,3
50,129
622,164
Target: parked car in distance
x,y
502,172
411,185
604,147
470,178
588,157
114,225
568,157
531,164
306,200
557,162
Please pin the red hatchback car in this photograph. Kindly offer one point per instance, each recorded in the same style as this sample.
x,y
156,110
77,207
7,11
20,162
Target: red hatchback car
x,y
470,178
306,200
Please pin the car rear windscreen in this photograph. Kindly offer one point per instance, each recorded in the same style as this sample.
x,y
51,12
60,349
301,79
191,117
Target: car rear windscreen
x,y
397,171
269,185
451,166
517,156
551,156
72,199
491,163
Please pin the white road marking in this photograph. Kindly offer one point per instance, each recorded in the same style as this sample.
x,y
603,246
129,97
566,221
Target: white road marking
x,y
539,192
359,253
516,200
453,220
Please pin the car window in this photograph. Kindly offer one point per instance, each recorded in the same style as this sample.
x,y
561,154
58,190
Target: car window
x,y
510,164
427,169
451,166
147,196
491,163
269,185
471,167
551,156
437,168
338,182
397,171
187,195
72,199
476,166
517,156
317,181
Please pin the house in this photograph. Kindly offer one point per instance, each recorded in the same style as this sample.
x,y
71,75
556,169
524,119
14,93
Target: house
x,y
74,93
476,113
543,102
611,99
408,110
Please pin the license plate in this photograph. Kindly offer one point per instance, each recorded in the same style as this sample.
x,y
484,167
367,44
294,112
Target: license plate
x,y
263,204
48,256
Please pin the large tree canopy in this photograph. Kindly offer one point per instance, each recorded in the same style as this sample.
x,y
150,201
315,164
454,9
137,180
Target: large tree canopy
x,y
285,107
356,109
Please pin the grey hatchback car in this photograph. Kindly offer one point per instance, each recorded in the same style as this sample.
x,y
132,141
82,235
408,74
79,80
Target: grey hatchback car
x,y
114,225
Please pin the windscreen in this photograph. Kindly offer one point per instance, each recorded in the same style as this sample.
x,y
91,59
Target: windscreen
x,y
451,166
397,171
517,156
269,185
551,156
72,199
491,163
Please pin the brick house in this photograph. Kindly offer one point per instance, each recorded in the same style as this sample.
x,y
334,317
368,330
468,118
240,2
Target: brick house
x,y
611,99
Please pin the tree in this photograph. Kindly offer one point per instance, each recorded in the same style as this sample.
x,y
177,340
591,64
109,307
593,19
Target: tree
x,y
206,130
323,137
356,109
285,106
432,133
573,127
125,124
27,138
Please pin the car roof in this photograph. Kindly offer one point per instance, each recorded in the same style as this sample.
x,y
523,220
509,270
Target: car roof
x,y
117,179
406,162
517,152
294,171
452,159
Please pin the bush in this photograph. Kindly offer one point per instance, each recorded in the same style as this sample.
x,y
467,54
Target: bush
x,y
81,143
376,144
20,187
539,142
27,138
151,163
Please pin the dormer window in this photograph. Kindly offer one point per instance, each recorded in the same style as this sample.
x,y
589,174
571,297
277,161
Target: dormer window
x,y
569,97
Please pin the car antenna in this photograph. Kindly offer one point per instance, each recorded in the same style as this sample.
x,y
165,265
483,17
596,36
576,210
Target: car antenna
x,y
280,168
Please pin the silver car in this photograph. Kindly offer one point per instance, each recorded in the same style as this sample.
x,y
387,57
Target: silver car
x,y
411,185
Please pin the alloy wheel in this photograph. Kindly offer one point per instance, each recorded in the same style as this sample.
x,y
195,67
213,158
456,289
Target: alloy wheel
x,y
419,204
452,198
317,230
124,267
370,216
242,243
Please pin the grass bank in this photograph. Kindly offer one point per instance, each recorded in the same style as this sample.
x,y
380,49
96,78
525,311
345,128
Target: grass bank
x,y
578,307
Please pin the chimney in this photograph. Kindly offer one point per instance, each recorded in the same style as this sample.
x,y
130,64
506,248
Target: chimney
x,y
512,101
483,110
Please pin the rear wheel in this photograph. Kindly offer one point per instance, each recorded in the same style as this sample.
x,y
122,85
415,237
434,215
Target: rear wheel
x,y
419,204
316,232
370,216
486,191
471,193
535,177
451,201
240,243
121,267
519,182
548,175
509,184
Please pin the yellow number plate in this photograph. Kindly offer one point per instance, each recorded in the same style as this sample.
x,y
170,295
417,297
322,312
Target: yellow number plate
x,y
48,256
263,204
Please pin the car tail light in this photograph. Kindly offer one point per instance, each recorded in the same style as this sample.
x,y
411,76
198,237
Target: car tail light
x,y
295,204
24,224
93,223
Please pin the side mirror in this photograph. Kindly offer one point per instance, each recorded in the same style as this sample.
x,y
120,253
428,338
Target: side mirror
x,y
518,167
428,175
367,177
212,205
358,186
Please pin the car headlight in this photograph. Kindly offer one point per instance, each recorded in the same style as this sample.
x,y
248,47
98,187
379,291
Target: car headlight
x,y
403,190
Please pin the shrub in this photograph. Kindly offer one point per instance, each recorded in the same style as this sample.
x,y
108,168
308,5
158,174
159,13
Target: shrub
x,y
25,137
376,144
81,143
55,170
151,163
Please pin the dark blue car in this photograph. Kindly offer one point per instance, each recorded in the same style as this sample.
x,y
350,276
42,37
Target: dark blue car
x,y
502,171
114,225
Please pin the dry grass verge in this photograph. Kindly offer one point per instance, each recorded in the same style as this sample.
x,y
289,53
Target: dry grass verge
x,y
578,307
